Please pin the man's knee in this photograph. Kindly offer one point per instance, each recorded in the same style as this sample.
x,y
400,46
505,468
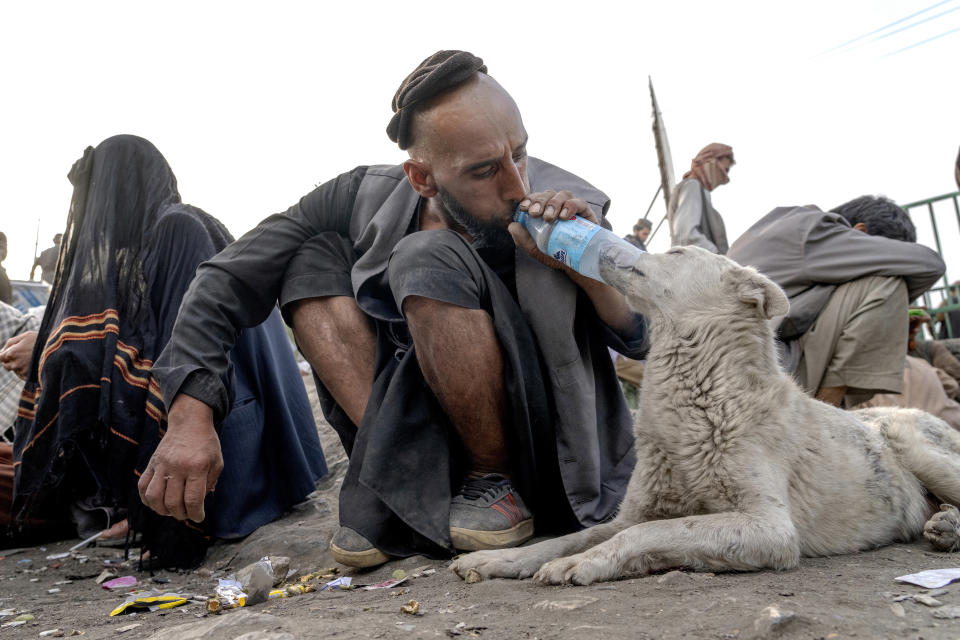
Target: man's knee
x,y
874,305
871,291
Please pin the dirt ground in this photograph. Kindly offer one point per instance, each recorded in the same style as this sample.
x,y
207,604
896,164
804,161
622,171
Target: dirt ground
x,y
842,597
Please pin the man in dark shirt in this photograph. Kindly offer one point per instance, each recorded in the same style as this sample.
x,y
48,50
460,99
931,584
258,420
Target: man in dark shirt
x,y
466,378
641,231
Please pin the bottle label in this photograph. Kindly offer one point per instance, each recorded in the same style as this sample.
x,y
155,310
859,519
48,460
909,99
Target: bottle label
x,y
569,239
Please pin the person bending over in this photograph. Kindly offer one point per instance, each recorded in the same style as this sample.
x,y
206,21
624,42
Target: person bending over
x,y
849,274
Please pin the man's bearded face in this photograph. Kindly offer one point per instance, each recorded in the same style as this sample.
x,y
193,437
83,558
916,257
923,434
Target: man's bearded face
x,y
491,234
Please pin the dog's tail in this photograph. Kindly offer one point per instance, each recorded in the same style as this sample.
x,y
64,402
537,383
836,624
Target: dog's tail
x,y
926,446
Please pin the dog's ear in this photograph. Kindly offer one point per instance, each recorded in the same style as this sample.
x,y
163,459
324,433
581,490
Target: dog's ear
x,y
759,291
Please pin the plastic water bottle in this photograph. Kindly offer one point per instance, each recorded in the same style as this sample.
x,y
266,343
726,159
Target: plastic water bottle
x,y
577,242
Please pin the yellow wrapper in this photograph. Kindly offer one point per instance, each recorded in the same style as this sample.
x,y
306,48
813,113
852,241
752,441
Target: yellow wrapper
x,y
150,603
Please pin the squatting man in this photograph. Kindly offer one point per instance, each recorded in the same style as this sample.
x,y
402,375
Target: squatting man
x,y
466,373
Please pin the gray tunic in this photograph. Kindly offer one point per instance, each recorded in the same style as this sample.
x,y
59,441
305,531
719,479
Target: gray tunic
x,y
693,220
808,252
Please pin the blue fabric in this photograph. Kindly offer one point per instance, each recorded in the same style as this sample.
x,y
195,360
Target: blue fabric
x,y
271,453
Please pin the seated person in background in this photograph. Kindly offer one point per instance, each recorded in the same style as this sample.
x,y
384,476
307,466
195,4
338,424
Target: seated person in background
x,y
466,373
925,387
641,231
936,354
949,321
849,274
91,414
922,389
14,328
17,334
693,220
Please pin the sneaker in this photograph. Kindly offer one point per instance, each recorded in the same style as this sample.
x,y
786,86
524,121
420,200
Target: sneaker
x,y
352,549
487,513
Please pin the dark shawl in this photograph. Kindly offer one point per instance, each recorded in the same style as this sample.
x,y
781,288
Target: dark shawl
x,y
91,412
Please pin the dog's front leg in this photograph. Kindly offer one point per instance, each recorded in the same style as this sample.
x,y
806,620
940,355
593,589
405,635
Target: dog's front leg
x,y
721,541
522,562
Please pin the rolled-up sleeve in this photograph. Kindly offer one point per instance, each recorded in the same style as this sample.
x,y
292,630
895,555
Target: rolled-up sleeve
x,y
633,342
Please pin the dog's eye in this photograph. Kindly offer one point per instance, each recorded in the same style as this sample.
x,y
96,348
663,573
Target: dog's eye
x,y
674,252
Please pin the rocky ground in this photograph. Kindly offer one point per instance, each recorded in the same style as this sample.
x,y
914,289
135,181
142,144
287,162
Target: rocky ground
x,y
841,597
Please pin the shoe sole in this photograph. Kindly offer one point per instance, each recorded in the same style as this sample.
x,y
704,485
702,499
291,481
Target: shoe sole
x,y
471,540
359,559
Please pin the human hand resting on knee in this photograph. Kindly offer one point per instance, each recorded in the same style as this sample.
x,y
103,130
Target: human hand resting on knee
x,y
186,464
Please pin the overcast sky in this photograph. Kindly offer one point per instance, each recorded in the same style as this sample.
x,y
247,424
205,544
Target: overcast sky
x,y
255,103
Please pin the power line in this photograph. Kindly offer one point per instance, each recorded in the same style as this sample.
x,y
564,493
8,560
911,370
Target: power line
x,y
917,44
887,26
910,26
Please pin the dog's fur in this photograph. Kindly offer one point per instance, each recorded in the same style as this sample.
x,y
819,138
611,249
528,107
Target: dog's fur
x,y
737,468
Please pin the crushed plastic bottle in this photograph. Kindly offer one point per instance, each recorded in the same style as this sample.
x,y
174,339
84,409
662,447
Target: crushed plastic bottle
x,y
577,242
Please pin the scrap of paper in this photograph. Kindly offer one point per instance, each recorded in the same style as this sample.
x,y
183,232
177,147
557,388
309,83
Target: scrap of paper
x,y
932,579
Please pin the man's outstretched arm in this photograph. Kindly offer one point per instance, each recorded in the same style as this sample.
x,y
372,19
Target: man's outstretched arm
x,y
236,289
186,464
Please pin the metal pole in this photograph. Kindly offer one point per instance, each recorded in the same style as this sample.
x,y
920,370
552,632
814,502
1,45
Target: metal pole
x,y
36,248
956,210
659,224
936,238
652,202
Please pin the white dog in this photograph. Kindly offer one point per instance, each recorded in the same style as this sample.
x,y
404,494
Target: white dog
x,y
737,468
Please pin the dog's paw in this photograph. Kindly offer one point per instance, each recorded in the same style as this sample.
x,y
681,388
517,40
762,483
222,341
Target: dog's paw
x,y
500,563
580,569
943,529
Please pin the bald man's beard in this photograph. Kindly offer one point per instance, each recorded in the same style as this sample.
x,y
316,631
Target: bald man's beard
x,y
484,234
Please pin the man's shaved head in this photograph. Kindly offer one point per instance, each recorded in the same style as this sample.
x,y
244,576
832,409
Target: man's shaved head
x,y
478,102
467,146
436,74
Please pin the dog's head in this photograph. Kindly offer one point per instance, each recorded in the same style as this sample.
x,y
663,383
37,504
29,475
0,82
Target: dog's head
x,y
689,282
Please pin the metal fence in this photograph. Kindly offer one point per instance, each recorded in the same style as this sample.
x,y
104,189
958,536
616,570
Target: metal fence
x,y
944,298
